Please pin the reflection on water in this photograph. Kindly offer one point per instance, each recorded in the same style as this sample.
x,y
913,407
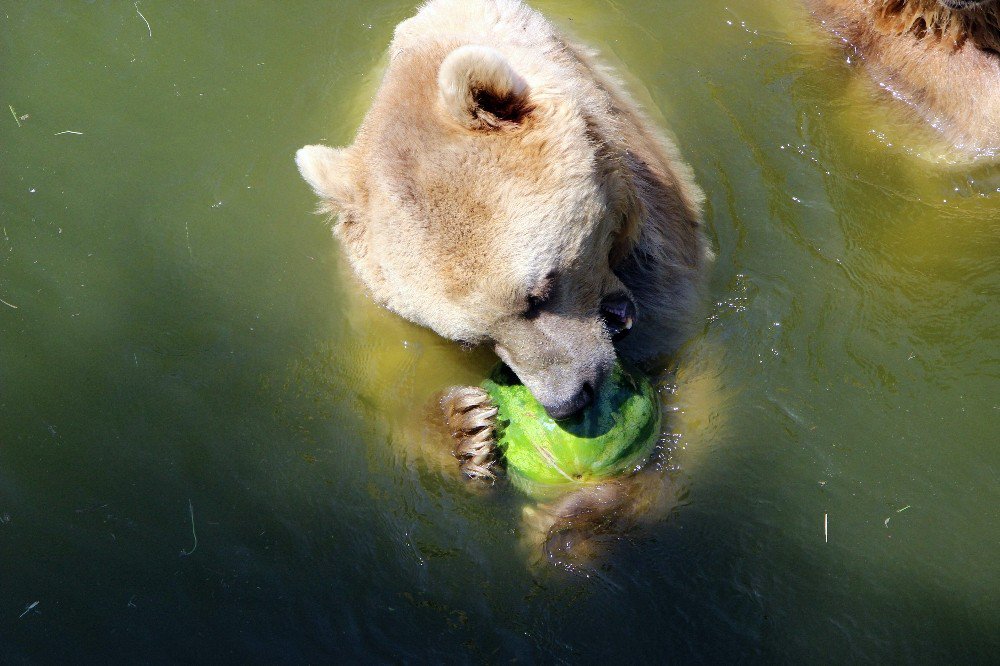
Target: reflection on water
x,y
176,327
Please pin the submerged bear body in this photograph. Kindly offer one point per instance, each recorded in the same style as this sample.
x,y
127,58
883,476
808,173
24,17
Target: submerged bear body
x,y
505,190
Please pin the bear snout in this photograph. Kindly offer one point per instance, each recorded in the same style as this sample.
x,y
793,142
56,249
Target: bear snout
x,y
574,405
563,389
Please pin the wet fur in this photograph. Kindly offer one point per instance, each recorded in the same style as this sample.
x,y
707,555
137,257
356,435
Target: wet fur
x,y
931,21
498,153
944,62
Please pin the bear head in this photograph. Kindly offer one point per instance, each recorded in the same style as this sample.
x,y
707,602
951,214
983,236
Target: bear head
x,y
489,203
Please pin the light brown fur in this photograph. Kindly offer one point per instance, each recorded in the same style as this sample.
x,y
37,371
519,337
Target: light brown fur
x,y
499,161
504,189
944,62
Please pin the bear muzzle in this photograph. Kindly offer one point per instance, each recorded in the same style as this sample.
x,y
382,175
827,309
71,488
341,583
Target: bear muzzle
x,y
566,389
574,405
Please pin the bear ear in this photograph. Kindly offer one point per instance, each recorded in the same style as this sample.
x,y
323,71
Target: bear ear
x,y
327,170
481,90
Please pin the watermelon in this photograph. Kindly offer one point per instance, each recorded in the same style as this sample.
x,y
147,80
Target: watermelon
x,y
615,434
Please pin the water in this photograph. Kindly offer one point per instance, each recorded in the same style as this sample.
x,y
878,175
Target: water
x,y
185,331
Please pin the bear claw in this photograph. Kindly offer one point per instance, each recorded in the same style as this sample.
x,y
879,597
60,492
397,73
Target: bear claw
x,y
463,399
469,413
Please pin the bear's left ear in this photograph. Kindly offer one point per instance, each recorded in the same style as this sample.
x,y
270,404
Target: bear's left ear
x,y
327,170
481,90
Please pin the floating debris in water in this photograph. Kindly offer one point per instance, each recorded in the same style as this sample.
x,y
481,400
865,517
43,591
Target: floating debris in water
x,y
897,511
28,609
136,4
185,553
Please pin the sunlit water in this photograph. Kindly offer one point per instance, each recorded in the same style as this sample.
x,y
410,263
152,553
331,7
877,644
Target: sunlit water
x,y
178,340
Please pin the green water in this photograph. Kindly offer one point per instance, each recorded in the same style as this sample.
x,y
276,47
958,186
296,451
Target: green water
x,y
178,339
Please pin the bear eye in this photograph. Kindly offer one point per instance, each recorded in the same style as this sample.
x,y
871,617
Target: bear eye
x,y
535,304
538,297
618,313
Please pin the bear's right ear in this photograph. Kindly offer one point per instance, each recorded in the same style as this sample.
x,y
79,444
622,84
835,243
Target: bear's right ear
x,y
481,90
328,172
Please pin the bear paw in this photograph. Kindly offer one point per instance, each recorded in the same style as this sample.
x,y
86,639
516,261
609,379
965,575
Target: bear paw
x,y
469,413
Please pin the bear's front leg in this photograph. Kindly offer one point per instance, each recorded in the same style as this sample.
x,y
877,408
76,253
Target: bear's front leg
x,y
573,530
470,413
578,529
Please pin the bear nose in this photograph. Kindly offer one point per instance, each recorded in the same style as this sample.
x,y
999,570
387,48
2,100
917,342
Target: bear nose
x,y
618,313
576,404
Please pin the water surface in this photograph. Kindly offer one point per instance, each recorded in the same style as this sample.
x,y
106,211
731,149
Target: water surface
x,y
178,340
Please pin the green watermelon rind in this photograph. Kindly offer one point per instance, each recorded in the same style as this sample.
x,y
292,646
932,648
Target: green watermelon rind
x,y
612,437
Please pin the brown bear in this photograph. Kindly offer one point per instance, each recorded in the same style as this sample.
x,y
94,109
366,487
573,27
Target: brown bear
x,y
940,56
504,189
